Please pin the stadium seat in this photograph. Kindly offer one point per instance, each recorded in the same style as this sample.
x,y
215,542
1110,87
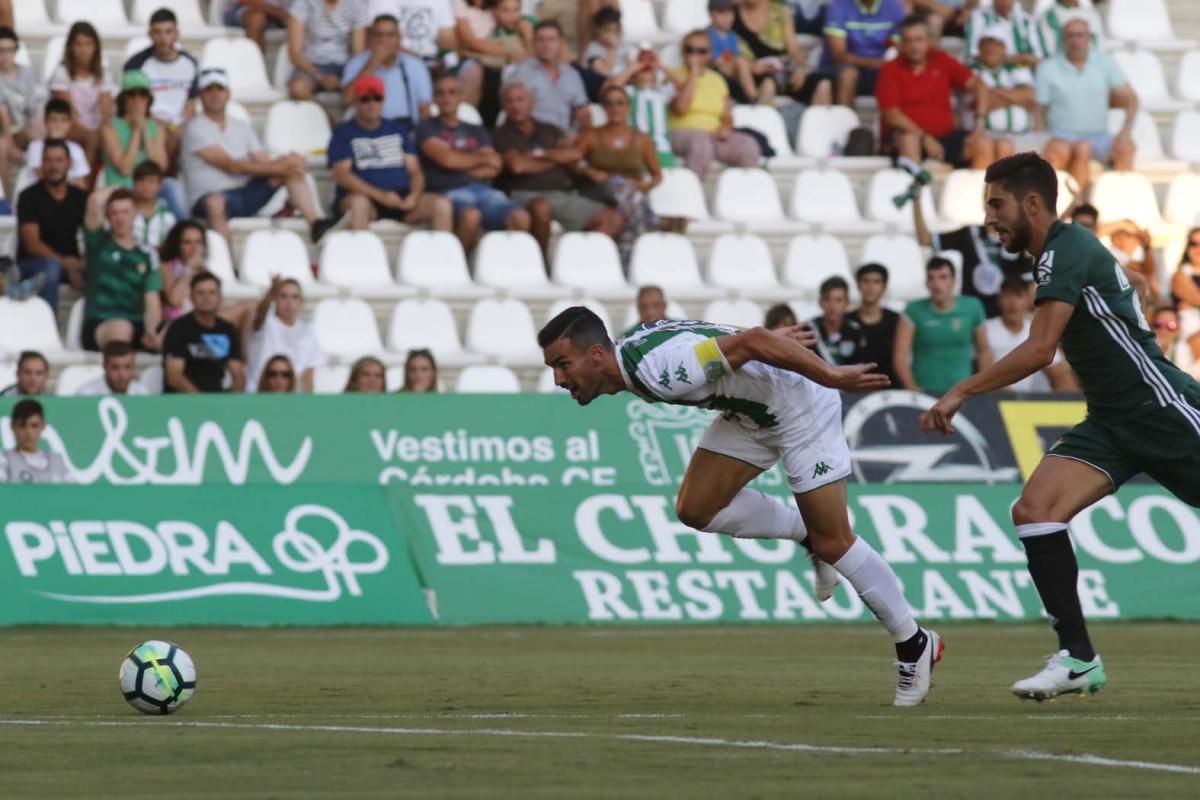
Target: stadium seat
x,y
151,379
679,195
430,324
589,263
1126,195
962,198
276,251
905,262
31,19
191,21
1145,22
596,307
298,127
667,260
108,16
741,312
805,309
742,264
74,334
1065,195
502,329
1149,156
1188,83
74,376
826,197
638,24
247,70
674,311
812,259
434,263
487,379
346,329
750,197
885,185
357,262
30,325
220,263
823,130
681,16
330,378
546,383
1182,205
1185,137
133,46
767,121
511,262
1145,74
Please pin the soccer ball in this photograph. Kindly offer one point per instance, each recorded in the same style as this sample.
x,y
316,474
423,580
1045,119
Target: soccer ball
x,y
157,677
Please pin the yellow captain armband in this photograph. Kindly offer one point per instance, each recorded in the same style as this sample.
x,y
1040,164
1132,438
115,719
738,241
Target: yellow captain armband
x,y
712,360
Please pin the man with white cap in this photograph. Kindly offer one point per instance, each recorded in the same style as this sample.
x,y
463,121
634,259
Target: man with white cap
x,y
1009,87
227,170
1022,36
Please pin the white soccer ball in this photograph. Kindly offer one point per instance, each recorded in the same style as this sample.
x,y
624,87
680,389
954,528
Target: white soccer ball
x,y
158,677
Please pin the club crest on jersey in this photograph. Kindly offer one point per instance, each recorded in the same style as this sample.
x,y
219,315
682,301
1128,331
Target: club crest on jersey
x,y
1041,273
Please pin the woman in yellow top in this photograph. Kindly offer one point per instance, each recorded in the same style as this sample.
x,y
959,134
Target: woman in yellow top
x,y
701,114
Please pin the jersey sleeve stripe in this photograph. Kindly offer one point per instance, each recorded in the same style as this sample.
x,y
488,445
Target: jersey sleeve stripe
x,y
1115,328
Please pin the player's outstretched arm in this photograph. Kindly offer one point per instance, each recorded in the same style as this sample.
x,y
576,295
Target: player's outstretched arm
x,y
783,349
1033,354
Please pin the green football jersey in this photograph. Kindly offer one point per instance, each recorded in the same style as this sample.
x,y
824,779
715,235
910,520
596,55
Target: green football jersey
x,y
1107,341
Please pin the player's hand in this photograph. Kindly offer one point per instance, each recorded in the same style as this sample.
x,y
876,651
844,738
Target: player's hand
x,y
859,378
939,417
804,333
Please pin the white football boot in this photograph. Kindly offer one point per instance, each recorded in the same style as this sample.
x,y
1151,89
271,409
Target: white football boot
x,y
825,578
915,678
1062,675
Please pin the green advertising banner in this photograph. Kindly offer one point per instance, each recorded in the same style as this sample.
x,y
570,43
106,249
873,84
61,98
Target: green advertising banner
x,y
204,555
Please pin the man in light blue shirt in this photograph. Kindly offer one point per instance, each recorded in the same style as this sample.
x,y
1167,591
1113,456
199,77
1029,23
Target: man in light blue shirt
x,y
1073,91
408,87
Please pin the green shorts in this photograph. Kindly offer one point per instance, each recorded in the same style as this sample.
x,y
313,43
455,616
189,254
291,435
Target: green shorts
x,y
1164,443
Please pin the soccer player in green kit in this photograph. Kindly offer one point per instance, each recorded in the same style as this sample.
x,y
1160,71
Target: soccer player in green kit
x,y
1143,414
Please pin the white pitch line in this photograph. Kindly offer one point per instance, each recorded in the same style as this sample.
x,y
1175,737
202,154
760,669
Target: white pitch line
x,y
1020,755
909,718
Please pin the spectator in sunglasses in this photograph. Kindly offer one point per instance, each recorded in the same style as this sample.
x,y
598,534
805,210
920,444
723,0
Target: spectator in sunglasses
x,y
278,377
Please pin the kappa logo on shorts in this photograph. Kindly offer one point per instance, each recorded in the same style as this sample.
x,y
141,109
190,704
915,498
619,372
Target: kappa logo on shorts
x,y
821,469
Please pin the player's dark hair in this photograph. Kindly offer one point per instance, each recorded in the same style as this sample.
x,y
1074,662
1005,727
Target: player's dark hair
x,y
31,355
577,324
56,105
777,315
1024,173
831,284
1085,210
201,277
872,268
913,20
1014,285
606,16
938,262
116,349
48,144
24,410
164,15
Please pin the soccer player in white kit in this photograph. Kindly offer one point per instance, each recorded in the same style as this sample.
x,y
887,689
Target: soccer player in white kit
x,y
778,401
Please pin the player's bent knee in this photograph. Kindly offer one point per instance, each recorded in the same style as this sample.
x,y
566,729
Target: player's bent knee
x,y
692,514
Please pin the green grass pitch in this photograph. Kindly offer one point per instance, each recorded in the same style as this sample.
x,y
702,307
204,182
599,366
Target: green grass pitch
x,y
723,712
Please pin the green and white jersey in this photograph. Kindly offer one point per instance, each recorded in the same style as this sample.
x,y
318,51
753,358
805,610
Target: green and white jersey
x,y
1022,33
680,363
1008,119
1058,15
1107,341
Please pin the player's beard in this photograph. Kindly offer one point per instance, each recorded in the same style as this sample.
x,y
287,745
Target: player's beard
x,y
1021,234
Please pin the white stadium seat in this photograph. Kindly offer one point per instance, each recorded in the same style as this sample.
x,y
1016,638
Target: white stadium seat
x,y
297,127
1188,84
667,260
434,262
511,261
905,262
596,307
741,312
275,252
133,46
330,378
74,337
30,325
885,185
244,63
804,309
742,264
1065,195
812,259
962,197
638,24
1143,21
1145,74
151,379
346,329
1126,195
502,329
823,130
186,11
108,16
220,263
749,197
767,121
681,16
356,261
74,376
546,383
826,197
589,263
31,19
679,195
1149,155
1185,137
1182,205
674,311
427,323
487,379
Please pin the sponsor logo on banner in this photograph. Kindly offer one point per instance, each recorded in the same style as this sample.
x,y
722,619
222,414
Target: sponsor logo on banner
x,y
315,542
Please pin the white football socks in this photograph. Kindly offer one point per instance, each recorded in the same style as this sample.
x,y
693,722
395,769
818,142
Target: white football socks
x,y
879,588
754,515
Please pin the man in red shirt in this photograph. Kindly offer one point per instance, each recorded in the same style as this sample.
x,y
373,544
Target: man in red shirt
x,y
914,101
